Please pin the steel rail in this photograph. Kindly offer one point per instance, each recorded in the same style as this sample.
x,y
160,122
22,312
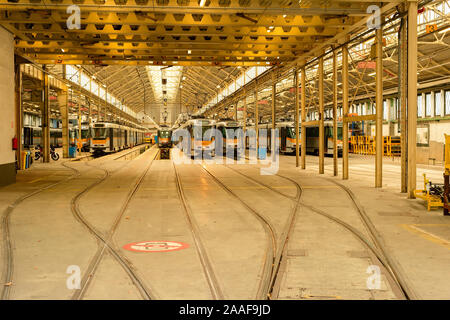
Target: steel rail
x,y
285,235
375,246
271,251
377,240
208,270
7,280
145,292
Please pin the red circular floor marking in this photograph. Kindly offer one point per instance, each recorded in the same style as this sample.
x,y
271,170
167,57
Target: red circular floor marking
x,y
155,246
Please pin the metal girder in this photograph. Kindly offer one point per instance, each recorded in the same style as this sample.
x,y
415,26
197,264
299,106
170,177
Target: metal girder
x,y
132,32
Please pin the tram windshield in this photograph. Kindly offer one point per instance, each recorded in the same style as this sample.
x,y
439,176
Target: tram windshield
x,y
291,132
99,133
229,132
164,134
84,134
202,130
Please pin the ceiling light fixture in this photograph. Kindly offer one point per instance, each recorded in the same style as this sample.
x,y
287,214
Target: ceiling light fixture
x,y
202,3
189,51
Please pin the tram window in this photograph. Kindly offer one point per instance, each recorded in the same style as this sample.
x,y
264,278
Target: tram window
x,y
385,110
447,102
84,134
428,104
291,133
313,132
419,105
99,132
437,104
231,130
164,134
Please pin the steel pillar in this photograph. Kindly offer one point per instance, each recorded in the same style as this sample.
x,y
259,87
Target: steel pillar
x,y
344,112
19,114
274,92
297,118
321,116
64,110
412,96
403,81
335,128
46,118
303,102
379,150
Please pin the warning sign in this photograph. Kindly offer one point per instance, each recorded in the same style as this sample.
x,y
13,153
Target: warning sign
x,y
155,246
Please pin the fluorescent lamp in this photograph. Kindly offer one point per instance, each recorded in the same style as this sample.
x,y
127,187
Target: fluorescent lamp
x,y
202,3
189,51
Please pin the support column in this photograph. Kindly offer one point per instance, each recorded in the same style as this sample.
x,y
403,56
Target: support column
x,y
256,118
236,104
303,132
46,118
19,115
297,118
412,96
64,110
335,128
344,112
379,151
244,111
79,143
321,115
99,107
403,78
274,92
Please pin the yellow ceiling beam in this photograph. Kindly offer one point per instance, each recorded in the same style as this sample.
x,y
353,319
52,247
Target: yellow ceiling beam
x,y
146,19
215,6
181,48
178,31
146,62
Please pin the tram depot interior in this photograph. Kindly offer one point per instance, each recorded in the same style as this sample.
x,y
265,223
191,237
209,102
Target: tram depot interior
x,y
224,149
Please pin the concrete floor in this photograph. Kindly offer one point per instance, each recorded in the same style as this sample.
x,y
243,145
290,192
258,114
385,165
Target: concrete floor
x,y
322,259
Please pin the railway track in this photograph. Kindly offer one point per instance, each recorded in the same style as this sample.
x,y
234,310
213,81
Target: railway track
x,y
105,240
375,245
285,235
265,286
7,280
208,269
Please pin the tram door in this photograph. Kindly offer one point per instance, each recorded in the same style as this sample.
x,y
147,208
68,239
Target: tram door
x,y
27,136
111,139
283,138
